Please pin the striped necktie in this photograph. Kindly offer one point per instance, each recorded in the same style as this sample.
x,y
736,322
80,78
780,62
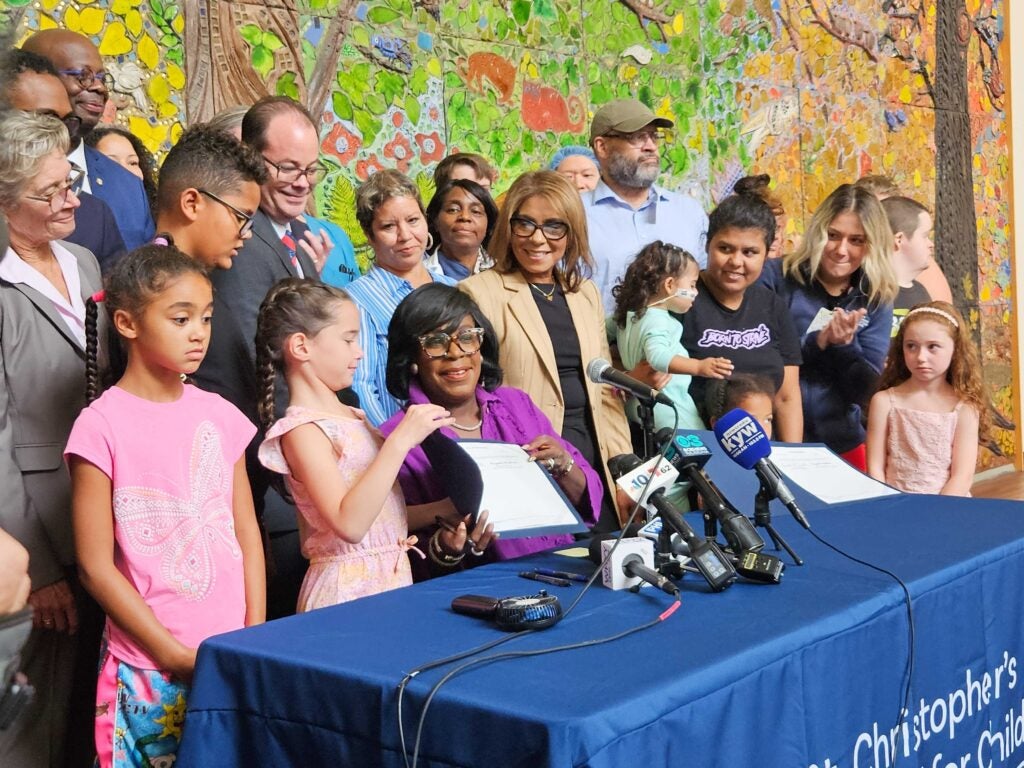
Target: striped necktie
x,y
289,243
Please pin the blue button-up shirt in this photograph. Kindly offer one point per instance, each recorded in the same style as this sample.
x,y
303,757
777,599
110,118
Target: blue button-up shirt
x,y
377,294
618,232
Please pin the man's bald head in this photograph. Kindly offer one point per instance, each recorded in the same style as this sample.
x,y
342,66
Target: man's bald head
x,y
71,52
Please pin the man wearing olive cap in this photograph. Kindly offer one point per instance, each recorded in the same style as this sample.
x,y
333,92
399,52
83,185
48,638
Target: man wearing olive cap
x,y
628,210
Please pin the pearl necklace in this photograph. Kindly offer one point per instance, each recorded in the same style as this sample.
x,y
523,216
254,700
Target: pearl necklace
x,y
468,427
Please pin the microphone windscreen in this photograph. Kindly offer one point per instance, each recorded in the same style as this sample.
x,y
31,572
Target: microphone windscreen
x,y
459,474
623,464
594,550
742,437
596,367
687,450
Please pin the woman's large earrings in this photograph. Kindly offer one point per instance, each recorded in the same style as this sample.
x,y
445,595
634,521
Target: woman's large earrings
x,y
430,242
414,369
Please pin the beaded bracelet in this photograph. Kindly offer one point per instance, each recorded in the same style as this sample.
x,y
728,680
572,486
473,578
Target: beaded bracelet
x,y
438,555
565,469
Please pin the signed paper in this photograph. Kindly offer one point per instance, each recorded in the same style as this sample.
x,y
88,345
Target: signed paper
x,y
521,499
820,472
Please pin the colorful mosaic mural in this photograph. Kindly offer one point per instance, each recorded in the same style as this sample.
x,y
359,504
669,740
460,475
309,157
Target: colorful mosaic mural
x,y
815,93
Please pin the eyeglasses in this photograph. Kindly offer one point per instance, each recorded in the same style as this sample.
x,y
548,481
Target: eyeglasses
x,y
552,229
290,173
638,138
85,77
59,197
435,345
244,219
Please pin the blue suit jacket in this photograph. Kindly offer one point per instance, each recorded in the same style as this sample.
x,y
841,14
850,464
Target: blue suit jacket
x,y
96,229
125,195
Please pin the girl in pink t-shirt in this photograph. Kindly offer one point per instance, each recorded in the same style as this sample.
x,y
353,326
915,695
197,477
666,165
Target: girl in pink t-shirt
x,y
165,530
342,474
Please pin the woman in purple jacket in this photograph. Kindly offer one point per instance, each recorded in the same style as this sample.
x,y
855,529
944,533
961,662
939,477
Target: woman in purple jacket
x,y
442,350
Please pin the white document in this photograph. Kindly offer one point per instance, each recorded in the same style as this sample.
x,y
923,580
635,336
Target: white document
x,y
520,498
820,472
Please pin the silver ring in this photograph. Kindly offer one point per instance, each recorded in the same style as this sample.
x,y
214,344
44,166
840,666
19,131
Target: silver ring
x,y
47,622
476,552
549,463
470,543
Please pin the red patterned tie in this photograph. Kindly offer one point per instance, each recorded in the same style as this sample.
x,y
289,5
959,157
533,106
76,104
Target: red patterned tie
x,y
289,243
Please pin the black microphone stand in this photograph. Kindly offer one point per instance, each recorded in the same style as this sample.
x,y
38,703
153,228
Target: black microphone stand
x,y
763,519
645,410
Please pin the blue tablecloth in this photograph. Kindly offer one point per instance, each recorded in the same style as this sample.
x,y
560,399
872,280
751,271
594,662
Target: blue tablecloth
x,y
806,673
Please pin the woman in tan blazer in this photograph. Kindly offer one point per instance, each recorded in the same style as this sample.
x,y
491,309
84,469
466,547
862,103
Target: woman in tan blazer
x,y
549,320
44,283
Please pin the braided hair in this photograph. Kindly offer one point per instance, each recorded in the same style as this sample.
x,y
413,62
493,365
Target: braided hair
x,y
293,305
130,286
645,277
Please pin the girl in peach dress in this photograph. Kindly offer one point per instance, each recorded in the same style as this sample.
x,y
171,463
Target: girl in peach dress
x,y
342,474
924,423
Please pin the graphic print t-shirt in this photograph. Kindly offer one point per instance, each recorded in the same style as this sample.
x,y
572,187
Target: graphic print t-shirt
x,y
171,466
758,338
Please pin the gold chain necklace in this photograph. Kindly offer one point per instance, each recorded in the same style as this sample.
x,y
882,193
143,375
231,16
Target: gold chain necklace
x,y
547,296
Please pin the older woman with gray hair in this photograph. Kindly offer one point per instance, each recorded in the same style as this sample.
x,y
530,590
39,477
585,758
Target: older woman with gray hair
x,y
391,214
44,284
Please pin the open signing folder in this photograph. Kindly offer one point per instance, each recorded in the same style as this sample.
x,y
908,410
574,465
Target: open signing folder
x,y
521,499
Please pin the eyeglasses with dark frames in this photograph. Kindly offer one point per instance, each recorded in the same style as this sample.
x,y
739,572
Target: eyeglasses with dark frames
x,y
290,173
59,197
86,76
244,219
553,229
638,138
437,344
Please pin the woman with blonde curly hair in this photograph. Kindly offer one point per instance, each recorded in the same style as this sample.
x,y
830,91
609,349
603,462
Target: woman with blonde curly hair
x,y
840,286
549,319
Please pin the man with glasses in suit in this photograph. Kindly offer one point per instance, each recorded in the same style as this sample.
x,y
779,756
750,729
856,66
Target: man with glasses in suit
x,y
80,69
285,136
30,83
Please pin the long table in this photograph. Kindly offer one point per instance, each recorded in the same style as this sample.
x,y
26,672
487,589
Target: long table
x,y
809,672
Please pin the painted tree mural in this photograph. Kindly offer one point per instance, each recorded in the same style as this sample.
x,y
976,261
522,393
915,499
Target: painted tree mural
x,y
814,92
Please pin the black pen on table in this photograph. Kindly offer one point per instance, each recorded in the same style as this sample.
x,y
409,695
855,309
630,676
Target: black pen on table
x,y
534,576
561,574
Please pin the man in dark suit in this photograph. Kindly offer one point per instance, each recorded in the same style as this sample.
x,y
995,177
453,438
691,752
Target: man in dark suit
x,y
81,72
284,134
29,82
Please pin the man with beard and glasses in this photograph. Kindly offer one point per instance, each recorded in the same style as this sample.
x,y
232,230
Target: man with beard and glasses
x,y
80,70
30,83
628,210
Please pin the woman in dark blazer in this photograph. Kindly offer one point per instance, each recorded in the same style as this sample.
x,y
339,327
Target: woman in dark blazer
x,y
44,284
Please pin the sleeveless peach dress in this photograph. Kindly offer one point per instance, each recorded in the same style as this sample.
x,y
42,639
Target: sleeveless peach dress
x,y
340,571
919,448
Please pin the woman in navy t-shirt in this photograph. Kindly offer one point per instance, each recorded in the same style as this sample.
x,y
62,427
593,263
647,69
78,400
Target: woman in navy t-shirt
x,y
734,316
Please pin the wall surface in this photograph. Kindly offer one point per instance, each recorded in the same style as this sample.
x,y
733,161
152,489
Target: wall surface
x,y
815,93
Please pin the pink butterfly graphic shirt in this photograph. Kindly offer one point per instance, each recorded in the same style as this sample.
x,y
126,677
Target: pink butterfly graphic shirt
x,y
171,466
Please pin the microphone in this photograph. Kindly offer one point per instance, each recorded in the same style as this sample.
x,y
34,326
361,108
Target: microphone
x,y
742,437
638,478
600,371
711,562
688,454
632,559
